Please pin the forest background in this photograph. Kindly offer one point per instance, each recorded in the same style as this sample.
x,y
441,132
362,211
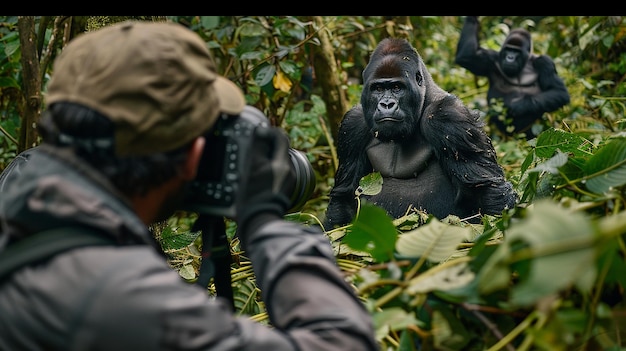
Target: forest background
x,y
546,275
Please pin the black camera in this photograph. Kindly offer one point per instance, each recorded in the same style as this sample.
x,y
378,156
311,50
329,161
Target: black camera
x,y
214,190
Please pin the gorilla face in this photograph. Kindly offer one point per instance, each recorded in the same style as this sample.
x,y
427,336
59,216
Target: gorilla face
x,y
515,52
386,109
387,93
393,95
512,60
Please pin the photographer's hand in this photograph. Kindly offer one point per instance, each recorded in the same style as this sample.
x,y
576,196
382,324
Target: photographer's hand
x,y
266,183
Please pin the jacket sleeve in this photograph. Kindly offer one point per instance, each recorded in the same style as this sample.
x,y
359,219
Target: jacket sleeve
x,y
305,293
139,303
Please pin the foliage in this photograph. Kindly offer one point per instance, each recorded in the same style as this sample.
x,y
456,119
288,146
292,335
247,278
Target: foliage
x,y
9,86
545,275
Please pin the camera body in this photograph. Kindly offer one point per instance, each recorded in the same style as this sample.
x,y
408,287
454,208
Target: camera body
x,y
214,190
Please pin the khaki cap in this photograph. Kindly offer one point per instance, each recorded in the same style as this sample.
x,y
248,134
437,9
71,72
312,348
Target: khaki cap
x,y
155,80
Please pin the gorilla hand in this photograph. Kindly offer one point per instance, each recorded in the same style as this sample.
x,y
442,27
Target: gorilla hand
x,y
521,106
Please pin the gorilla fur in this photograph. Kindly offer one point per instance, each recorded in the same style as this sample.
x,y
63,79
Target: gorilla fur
x,y
430,149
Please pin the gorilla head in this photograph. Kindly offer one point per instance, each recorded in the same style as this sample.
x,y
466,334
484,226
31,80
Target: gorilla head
x,y
515,52
394,89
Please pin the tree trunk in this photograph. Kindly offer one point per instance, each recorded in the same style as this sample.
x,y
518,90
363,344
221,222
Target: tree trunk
x,y
31,81
327,76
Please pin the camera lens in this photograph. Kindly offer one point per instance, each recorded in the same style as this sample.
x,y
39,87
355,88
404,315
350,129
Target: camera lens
x,y
305,180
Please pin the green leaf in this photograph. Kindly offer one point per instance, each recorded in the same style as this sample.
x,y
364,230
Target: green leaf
x,y
448,331
607,168
289,68
187,272
370,184
495,274
552,165
452,277
436,241
552,140
393,319
210,22
173,240
248,48
9,82
558,246
265,75
373,232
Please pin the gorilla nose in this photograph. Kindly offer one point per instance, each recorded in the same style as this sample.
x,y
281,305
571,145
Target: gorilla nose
x,y
387,106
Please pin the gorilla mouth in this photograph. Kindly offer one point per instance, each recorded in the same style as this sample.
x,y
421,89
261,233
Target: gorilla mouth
x,y
388,119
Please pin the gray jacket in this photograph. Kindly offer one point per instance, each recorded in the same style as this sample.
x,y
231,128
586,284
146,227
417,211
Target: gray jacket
x,y
126,297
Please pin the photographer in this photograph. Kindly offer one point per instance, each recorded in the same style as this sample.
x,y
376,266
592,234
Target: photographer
x,y
122,139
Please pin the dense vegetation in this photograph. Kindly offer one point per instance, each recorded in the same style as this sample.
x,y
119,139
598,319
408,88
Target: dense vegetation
x,y
546,275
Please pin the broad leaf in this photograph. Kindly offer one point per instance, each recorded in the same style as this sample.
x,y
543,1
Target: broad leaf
x,y
607,168
373,232
452,277
393,319
370,184
265,75
435,241
558,246
552,165
187,272
172,240
552,140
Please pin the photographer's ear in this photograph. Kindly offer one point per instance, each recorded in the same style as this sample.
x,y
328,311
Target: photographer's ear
x,y
194,154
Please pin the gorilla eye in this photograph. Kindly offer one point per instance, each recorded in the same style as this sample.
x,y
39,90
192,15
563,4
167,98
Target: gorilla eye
x,y
396,88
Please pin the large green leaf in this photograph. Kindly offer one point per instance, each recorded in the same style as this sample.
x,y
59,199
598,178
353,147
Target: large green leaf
x,y
607,168
556,139
557,244
435,241
451,277
373,232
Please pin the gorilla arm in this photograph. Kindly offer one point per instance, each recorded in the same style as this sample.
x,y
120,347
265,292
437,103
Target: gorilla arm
x,y
552,95
469,54
353,137
466,154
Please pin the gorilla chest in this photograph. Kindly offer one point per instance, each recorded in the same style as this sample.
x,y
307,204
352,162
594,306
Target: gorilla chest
x,y
402,161
412,178
526,83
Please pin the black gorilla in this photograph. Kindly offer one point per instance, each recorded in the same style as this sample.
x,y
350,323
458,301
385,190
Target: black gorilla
x,y
431,151
527,84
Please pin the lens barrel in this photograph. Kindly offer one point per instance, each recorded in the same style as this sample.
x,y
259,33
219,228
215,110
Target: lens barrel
x,y
305,180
